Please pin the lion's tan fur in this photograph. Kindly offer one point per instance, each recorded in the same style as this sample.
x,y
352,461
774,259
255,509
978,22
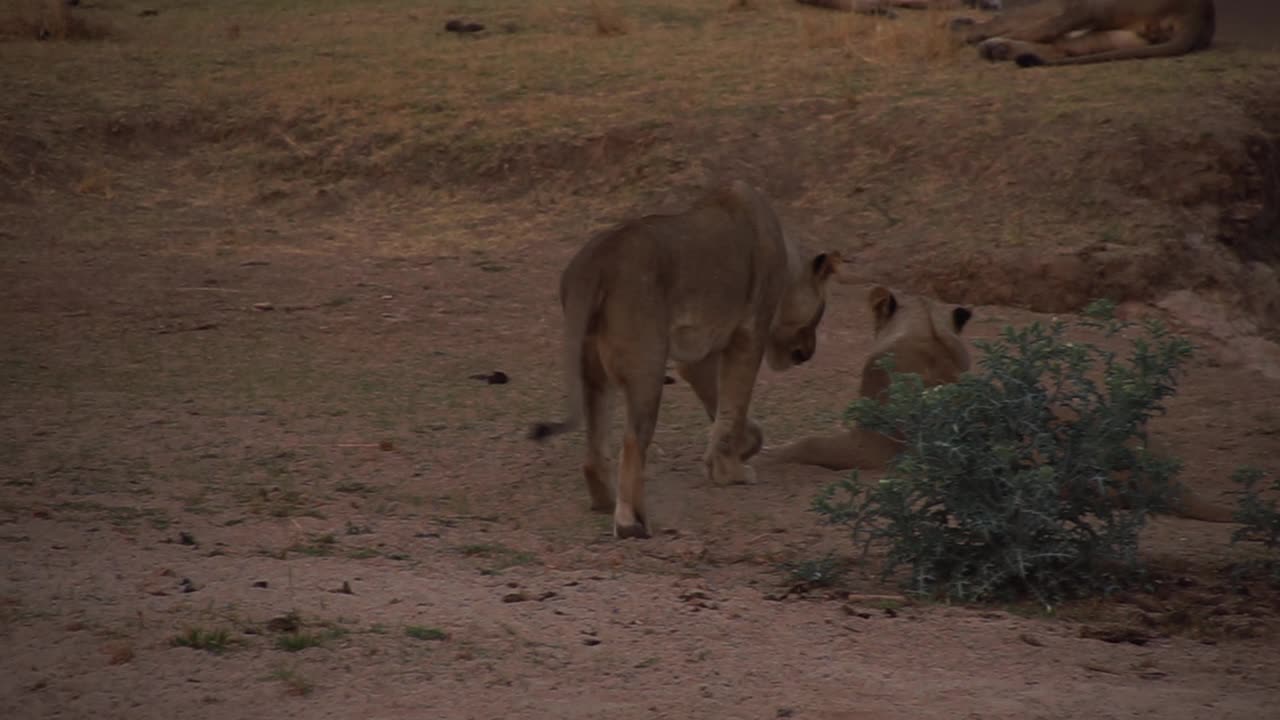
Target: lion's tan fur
x,y
716,288
878,6
1073,32
924,337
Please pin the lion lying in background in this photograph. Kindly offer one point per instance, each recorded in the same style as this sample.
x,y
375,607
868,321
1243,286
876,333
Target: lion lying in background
x,y
1074,32
884,7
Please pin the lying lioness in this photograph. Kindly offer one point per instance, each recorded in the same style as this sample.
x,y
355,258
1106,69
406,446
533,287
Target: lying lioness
x,y
1073,32
884,7
923,335
715,288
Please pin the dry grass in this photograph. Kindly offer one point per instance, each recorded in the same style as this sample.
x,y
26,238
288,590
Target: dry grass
x,y
47,20
883,42
803,100
608,18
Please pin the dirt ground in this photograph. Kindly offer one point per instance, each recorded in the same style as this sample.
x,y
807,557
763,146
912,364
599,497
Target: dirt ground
x,y
244,363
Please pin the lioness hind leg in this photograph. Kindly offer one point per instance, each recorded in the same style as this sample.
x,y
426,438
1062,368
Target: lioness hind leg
x,y
739,365
644,395
596,470
704,377
1086,44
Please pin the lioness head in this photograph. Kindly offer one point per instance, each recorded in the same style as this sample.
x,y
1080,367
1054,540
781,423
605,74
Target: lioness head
x,y
922,334
793,335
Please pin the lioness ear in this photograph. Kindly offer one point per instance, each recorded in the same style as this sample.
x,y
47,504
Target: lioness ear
x,y
825,264
960,316
883,304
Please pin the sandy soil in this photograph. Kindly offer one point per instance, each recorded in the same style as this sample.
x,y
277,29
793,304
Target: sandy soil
x,y
178,459
252,415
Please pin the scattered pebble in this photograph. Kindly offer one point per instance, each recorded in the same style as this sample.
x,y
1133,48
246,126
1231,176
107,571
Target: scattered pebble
x,y
460,26
497,377
260,584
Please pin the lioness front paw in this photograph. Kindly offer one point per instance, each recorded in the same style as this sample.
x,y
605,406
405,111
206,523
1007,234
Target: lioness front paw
x,y
1026,60
728,470
752,441
628,524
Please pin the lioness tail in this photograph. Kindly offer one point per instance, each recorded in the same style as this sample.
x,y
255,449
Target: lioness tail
x,y
579,298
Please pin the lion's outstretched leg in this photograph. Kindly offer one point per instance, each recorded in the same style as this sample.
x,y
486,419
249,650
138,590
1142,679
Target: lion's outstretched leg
x,y
739,365
596,470
644,395
704,377
1087,44
834,452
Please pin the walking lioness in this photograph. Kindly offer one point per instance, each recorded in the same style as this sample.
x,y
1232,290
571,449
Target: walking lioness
x,y
1073,32
923,336
715,288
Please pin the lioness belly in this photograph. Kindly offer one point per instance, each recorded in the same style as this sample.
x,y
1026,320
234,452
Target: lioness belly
x,y
692,341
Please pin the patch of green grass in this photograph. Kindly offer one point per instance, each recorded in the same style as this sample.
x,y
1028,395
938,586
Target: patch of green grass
x,y
501,556
420,632
316,546
301,640
214,641
294,683
825,571
119,516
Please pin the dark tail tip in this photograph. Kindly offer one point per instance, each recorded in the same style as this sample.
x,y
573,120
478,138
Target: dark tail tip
x,y
541,431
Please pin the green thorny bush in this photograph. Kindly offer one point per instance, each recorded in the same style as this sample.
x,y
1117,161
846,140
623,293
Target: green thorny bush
x,y
1259,518
1001,489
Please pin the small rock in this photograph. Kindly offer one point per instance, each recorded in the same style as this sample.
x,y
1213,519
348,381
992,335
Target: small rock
x,y
546,595
148,13
497,377
1031,640
260,584
514,597
187,586
668,380
460,26
590,641
1116,634
264,306
345,589
186,538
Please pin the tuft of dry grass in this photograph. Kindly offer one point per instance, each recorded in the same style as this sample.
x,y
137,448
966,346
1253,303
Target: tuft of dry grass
x,y
880,41
47,20
608,18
